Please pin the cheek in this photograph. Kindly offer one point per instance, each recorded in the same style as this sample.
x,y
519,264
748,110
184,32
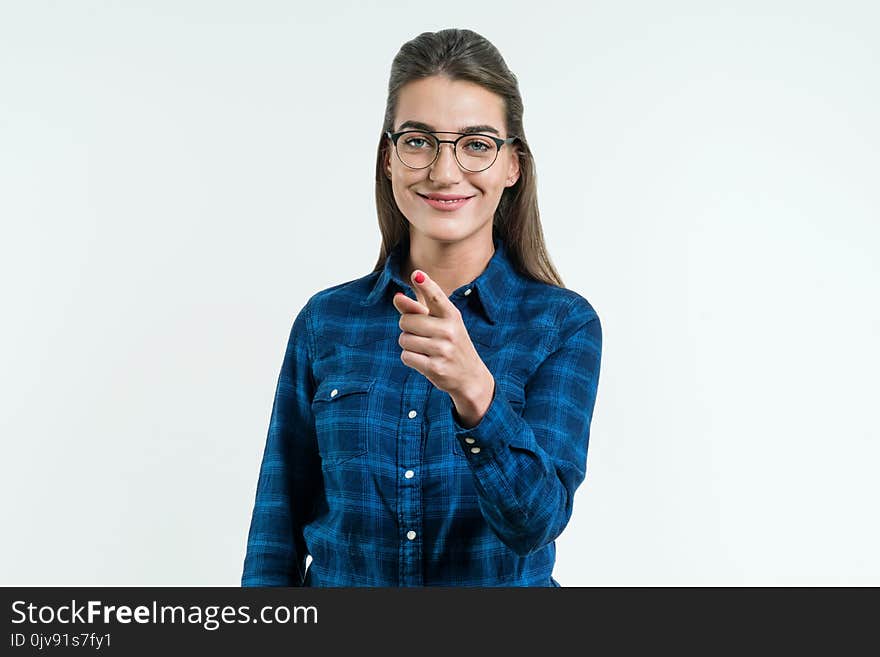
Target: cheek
x,y
398,182
403,179
493,187
403,195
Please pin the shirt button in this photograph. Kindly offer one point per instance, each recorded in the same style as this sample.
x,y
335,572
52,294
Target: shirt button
x,y
469,440
475,450
334,392
467,291
412,414
411,535
409,474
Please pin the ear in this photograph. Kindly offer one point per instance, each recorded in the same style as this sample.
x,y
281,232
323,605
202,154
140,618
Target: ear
x,y
513,166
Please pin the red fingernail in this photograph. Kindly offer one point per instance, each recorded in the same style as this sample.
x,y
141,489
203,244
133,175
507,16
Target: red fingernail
x,y
420,277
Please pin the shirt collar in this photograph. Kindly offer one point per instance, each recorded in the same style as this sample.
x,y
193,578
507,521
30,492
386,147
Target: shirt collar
x,y
491,286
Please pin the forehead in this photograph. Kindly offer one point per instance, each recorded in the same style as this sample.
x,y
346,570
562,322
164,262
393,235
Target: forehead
x,y
449,104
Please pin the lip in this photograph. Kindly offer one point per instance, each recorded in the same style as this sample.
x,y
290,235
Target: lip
x,y
444,197
459,201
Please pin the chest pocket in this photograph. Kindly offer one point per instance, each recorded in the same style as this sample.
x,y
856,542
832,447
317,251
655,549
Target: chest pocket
x,y
341,408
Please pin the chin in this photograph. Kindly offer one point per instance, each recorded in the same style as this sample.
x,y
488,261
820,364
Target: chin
x,y
443,230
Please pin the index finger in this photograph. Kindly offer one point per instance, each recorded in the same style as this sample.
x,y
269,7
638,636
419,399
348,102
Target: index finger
x,y
432,296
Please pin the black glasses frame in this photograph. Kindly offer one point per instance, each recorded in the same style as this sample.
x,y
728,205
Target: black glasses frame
x,y
394,136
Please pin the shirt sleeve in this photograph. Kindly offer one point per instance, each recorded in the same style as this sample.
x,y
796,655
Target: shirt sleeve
x,y
276,550
527,467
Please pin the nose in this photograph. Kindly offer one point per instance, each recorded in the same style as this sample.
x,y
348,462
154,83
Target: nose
x,y
445,167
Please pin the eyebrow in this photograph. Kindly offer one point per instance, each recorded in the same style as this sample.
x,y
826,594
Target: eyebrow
x,y
418,125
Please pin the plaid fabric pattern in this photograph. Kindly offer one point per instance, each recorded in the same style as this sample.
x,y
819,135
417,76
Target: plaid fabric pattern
x,y
367,470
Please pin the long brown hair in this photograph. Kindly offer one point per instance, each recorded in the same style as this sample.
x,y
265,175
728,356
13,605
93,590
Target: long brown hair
x,y
461,54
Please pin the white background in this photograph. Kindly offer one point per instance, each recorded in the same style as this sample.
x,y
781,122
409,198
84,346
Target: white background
x,y
708,180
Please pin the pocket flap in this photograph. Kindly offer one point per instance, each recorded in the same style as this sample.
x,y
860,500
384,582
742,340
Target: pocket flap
x,y
341,385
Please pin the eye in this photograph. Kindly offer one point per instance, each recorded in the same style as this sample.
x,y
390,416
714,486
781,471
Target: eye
x,y
478,145
417,141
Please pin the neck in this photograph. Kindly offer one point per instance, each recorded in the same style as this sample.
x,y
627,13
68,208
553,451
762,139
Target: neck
x,y
451,265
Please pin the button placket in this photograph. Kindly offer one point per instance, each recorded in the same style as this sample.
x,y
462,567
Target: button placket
x,y
416,390
409,474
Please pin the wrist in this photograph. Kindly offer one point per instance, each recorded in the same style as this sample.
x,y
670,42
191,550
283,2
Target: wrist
x,y
470,405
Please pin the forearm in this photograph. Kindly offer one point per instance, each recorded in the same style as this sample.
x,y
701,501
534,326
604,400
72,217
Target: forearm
x,y
528,453
521,493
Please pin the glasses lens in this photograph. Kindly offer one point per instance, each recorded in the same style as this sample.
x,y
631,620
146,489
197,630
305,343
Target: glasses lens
x,y
476,153
416,149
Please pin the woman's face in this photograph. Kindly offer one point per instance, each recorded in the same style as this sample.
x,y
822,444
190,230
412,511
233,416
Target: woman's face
x,y
444,104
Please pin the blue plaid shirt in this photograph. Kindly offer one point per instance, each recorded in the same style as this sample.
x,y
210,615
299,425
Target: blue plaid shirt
x,y
367,470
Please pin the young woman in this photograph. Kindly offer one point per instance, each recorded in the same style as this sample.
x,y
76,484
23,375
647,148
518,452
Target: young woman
x,y
431,419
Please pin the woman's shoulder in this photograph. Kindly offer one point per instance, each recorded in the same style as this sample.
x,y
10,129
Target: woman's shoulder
x,y
558,306
342,295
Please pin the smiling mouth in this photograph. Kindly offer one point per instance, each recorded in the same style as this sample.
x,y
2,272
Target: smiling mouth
x,y
462,198
446,206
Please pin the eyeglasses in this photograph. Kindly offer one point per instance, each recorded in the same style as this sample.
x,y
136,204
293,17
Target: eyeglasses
x,y
420,148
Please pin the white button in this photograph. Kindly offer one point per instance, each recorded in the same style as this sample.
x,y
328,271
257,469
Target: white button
x,y
409,474
412,414
475,450
469,440
467,291
334,392
411,535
